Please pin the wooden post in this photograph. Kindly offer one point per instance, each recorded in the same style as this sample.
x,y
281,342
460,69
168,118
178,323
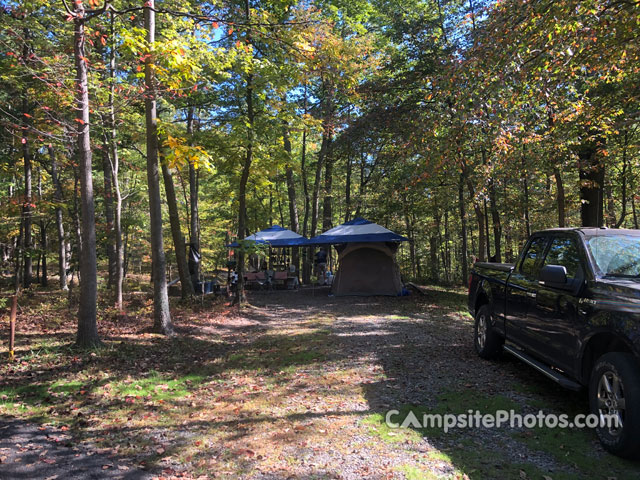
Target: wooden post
x,y
12,326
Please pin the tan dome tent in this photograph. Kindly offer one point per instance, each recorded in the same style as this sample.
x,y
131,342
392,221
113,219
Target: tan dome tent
x,y
366,258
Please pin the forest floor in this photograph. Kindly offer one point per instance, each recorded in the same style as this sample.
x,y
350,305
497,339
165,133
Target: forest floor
x,y
296,386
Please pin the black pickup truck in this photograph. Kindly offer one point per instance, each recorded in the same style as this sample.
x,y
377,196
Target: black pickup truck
x,y
570,307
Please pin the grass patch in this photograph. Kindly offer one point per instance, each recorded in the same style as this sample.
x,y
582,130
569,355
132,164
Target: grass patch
x,y
158,387
412,472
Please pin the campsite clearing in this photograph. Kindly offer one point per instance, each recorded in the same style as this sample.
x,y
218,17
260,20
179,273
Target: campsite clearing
x,y
296,386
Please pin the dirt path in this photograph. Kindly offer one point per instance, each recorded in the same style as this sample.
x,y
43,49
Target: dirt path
x,y
298,386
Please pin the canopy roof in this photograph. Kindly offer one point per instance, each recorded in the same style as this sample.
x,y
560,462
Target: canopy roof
x,y
357,230
276,236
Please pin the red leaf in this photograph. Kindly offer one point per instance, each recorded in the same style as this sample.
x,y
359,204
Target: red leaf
x,y
80,121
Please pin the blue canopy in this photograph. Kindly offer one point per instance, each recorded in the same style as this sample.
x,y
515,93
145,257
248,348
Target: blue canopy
x,y
275,236
356,231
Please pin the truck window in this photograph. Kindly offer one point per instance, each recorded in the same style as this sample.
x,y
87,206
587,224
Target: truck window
x,y
564,251
532,256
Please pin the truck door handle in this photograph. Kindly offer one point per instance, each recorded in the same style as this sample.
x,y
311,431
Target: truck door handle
x,y
531,294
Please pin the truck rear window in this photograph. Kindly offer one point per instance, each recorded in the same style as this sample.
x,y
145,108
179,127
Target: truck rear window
x,y
616,255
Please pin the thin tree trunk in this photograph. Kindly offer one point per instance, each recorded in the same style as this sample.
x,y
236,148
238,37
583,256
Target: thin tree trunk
x,y
327,135
115,167
178,240
306,262
161,313
463,228
62,254
194,216
480,217
87,328
240,298
625,167
412,245
44,243
291,194
560,199
497,224
26,206
108,211
327,211
525,189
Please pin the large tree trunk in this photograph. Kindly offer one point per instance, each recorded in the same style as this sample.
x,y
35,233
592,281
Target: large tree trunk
x,y
87,328
62,254
161,314
591,186
178,240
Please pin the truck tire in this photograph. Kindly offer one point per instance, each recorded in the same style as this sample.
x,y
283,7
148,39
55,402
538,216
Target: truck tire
x,y
614,389
487,341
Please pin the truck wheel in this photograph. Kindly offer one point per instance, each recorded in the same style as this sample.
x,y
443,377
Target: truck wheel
x,y
614,392
488,343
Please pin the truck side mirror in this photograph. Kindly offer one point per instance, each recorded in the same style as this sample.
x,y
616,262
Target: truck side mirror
x,y
553,275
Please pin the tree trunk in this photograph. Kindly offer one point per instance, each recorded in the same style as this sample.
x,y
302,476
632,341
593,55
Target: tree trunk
x,y
240,298
194,215
347,189
625,167
315,198
497,224
412,245
327,136
115,167
44,243
87,328
291,194
108,211
28,200
480,217
560,196
306,261
161,313
463,228
62,254
178,240
591,186
525,189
